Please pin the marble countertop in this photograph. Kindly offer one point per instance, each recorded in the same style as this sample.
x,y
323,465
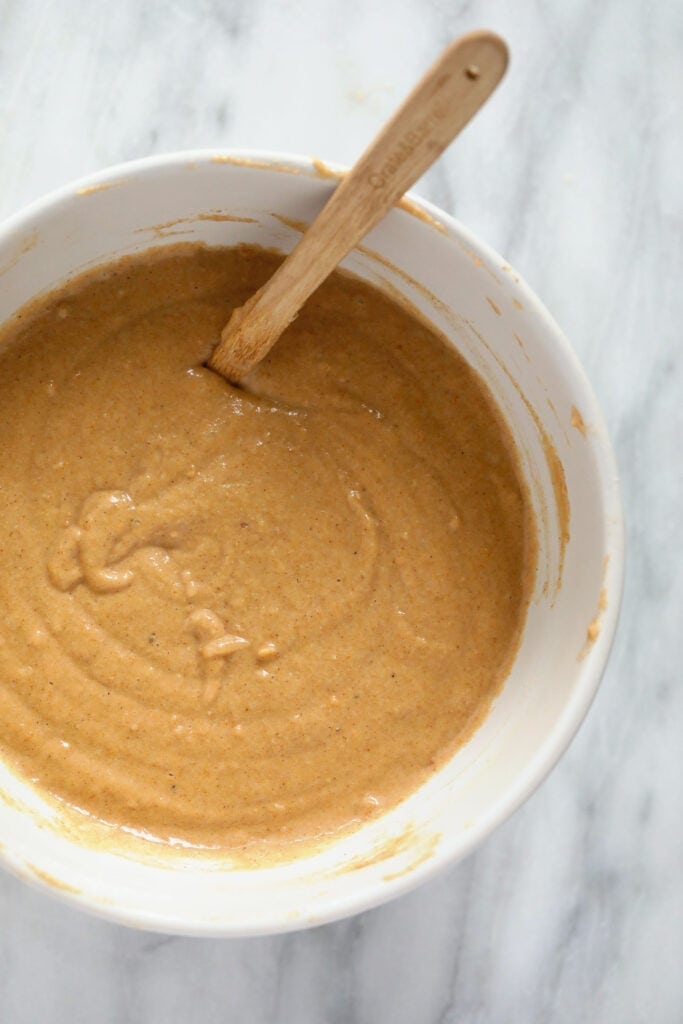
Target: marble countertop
x,y
573,910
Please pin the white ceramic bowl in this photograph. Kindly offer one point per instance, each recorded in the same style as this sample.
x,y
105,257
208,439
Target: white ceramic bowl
x,y
499,325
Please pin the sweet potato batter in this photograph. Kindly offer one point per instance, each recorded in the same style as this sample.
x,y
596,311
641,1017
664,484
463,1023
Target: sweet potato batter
x,y
239,616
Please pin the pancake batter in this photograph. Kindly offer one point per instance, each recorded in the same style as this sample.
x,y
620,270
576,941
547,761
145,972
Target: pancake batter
x,y
232,617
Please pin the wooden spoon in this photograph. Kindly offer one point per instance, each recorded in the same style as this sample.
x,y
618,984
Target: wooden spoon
x,y
449,95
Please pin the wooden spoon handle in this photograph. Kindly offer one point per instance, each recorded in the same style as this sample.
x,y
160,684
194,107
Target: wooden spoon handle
x,y
449,95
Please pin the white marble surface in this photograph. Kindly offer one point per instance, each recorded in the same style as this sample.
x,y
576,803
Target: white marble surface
x,y
573,911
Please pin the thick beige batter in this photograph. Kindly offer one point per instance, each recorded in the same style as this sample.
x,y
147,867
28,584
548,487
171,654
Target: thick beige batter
x,y
228,618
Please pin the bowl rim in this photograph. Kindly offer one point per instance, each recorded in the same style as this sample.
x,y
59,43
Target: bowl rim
x,y
452,847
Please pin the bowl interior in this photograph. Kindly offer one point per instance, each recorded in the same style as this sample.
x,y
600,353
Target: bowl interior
x,y
481,305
